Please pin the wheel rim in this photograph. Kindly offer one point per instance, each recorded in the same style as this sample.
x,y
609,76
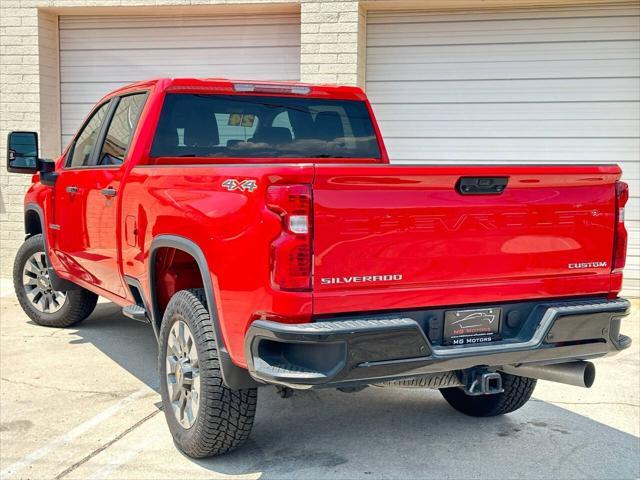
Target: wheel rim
x,y
183,374
37,285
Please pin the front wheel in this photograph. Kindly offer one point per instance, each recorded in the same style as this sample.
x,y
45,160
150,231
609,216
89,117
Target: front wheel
x,y
517,392
205,417
38,299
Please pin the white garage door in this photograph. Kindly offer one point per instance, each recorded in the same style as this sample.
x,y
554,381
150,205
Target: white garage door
x,y
552,86
98,54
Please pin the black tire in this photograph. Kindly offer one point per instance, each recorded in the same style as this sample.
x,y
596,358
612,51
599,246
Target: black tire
x,y
517,391
78,304
224,417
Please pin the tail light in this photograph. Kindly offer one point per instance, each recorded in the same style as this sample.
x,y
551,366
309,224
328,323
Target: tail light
x,y
620,232
291,254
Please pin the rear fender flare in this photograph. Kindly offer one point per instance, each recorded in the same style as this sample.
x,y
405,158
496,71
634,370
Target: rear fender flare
x,y
234,377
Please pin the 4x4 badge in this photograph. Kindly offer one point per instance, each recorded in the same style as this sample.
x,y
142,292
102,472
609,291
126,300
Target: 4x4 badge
x,y
244,185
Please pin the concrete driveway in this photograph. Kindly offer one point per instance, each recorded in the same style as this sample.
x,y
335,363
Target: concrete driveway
x,y
83,403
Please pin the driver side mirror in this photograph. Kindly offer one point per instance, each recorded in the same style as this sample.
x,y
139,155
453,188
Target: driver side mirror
x,y
22,152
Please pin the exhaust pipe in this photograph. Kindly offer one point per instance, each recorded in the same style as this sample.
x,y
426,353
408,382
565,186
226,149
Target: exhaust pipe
x,y
580,373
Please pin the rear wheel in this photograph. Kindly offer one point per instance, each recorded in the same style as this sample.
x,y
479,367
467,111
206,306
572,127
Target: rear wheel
x,y
517,391
37,297
205,417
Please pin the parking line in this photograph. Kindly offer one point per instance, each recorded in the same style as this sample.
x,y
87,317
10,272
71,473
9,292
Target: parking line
x,y
73,434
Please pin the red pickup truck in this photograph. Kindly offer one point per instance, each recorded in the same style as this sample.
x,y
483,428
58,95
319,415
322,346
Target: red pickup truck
x,y
261,231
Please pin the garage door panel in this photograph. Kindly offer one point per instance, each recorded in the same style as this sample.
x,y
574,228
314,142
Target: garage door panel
x,y
520,111
100,54
632,286
631,174
435,54
631,171
287,69
262,55
548,90
512,149
379,18
484,70
125,39
503,31
464,38
634,237
632,209
511,128
632,266
88,22
89,93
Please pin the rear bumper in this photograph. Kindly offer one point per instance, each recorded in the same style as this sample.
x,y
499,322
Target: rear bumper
x,y
342,353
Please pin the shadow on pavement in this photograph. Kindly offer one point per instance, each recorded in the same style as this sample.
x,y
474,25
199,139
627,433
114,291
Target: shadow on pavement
x,y
129,343
390,433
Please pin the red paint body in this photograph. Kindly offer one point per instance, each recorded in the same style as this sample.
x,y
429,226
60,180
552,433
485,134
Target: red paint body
x,y
370,219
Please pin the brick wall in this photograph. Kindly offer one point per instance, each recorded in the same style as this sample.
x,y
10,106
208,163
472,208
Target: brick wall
x,y
330,34
19,109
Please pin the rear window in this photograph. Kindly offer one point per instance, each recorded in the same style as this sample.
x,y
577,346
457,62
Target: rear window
x,y
237,126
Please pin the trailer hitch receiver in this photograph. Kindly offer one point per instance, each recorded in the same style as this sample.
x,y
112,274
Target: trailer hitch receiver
x,y
479,381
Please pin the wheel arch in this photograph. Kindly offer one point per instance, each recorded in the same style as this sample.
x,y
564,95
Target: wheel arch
x,y
33,222
234,376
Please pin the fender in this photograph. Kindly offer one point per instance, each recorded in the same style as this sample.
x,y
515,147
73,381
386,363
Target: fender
x,y
57,283
234,377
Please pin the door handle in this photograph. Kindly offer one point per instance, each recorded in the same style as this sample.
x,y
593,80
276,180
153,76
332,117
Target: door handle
x,y
72,189
109,192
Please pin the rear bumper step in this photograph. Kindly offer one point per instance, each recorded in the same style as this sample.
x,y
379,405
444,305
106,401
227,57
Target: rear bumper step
x,y
343,353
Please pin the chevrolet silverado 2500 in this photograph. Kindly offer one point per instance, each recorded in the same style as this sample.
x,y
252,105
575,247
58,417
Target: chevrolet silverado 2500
x,y
262,233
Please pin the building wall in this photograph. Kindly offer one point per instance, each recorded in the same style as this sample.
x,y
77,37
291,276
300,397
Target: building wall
x,y
333,44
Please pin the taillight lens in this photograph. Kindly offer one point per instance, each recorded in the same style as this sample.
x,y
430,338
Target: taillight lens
x,y
620,242
291,256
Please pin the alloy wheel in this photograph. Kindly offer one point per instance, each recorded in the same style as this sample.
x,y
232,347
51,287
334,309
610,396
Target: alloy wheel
x,y
183,374
37,285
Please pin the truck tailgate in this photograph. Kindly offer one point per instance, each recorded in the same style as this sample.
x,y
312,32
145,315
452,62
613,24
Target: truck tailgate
x,y
393,237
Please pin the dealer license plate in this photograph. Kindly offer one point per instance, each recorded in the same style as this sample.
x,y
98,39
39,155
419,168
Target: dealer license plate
x,y
477,326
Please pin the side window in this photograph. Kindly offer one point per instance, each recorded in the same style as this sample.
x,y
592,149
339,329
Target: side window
x,y
121,129
87,138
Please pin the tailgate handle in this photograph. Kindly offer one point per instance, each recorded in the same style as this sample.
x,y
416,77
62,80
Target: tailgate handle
x,y
481,185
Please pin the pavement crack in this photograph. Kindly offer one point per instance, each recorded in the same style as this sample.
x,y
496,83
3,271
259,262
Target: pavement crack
x,y
113,394
106,445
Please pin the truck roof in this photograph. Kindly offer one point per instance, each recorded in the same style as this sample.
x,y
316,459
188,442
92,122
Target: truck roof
x,y
232,87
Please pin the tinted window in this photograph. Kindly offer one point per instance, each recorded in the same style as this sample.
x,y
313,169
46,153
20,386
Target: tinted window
x,y
260,126
121,129
86,140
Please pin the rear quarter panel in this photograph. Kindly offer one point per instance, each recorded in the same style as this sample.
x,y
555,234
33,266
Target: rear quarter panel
x,y
234,229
